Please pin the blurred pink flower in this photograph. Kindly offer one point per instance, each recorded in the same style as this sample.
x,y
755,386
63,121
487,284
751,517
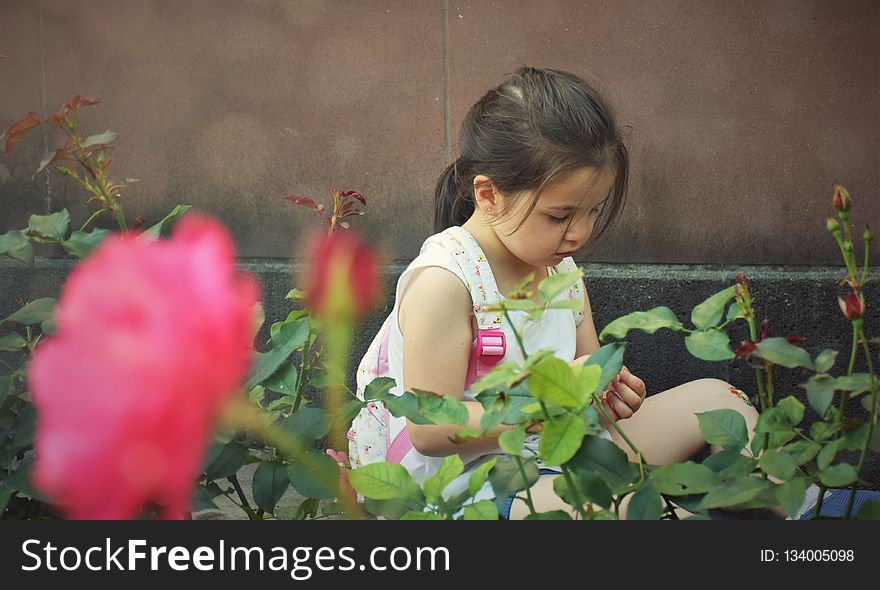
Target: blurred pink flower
x,y
153,338
343,277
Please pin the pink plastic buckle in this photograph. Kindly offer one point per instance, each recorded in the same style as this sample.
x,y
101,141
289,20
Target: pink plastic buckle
x,y
489,349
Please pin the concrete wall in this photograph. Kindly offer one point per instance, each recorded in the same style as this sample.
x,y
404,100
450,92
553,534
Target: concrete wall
x,y
742,113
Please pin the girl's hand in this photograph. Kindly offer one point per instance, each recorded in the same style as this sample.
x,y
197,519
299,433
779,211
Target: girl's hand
x,y
624,396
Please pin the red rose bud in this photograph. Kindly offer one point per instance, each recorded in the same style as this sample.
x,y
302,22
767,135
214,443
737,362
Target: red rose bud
x,y
841,202
344,277
745,350
795,339
742,279
853,307
764,326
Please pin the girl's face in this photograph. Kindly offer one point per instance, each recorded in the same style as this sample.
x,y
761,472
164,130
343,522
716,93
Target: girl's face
x,y
561,221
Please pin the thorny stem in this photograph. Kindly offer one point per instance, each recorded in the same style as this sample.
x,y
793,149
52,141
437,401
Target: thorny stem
x,y
871,421
244,503
522,473
566,472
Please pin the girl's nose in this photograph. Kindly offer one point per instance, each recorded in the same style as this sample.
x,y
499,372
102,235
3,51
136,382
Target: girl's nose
x,y
579,231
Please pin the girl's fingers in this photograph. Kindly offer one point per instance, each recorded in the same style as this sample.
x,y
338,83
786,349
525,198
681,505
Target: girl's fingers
x,y
607,406
620,407
629,397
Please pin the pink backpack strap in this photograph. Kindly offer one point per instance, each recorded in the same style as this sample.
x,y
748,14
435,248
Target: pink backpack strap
x,y
488,350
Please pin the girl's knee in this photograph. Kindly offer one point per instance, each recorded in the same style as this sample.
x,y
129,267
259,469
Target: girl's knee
x,y
724,395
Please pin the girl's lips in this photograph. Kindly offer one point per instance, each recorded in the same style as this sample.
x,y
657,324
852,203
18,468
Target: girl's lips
x,y
565,254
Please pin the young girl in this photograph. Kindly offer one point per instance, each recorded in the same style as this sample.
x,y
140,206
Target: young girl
x,y
542,170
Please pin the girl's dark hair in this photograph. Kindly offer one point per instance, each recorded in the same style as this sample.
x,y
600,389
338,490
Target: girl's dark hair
x,y
532,129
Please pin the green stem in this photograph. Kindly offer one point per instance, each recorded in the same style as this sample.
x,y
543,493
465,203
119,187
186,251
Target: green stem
x,y
92,218
120,218
244,503
753,333
516,335
303,369
522,473
871,421
844,396
639,456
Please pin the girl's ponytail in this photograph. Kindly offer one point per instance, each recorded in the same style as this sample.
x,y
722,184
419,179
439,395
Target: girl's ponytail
x,y
452,204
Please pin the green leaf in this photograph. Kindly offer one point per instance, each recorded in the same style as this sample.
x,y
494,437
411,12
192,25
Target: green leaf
x,y
729,464
681,479
590,488
561,437
317,476
105,138
449,469
555,284
478,477
855,383
869,510
511,441
610,358
708,313
735,492
820,392
12,342
646,504
202,499
25,427
733,312
803,450
603,456
588,378
553,381
838,476
383,481
502,375
773,420
792,408
825,360
293,336
16,245
506,478
482,510
725,428
791,495
308,423
406,405
270,483
35,312
444,409
413,515
378,388
781,352
709,345
778,464
283,380
516,400
81,244
647,321
828,453
51,227
229,460
552,515
158,229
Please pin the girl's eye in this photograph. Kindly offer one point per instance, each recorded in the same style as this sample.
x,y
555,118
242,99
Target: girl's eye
x,y
554,219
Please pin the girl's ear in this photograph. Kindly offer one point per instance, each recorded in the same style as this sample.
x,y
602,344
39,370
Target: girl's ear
x,y
487,198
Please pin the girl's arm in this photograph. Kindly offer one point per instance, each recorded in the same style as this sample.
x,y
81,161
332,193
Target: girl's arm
x,y
435,318
587,339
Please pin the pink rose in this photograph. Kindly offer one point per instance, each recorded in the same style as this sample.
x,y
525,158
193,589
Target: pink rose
x,y
343,278
153,338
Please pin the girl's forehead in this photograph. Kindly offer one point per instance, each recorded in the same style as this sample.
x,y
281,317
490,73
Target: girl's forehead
x,y
573,190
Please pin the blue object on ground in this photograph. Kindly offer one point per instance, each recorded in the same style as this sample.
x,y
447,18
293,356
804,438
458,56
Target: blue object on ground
x,y
835,504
